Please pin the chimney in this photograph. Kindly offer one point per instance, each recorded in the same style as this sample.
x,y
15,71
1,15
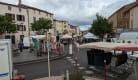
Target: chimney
x,y
20,2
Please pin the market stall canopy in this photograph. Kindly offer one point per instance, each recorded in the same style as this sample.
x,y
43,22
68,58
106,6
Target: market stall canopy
x,y
76,35
130,47
90,36
66,36
106,46
39,36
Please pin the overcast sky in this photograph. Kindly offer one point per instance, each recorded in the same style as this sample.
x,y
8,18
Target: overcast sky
x,y
76,12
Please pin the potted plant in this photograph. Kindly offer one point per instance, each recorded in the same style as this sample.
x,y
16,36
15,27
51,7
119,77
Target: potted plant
x,y
75,76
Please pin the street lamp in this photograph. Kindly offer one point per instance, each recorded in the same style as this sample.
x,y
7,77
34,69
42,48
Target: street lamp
x,y
47,41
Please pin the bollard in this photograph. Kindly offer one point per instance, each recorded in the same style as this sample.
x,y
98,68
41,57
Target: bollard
x,y
70,48
67,75
76,62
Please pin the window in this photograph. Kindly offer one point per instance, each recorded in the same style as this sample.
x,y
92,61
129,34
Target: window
x,y
20,9
65,26
21,28
21,37
12,37
9,7
34,18
39,12
24,27
131,23
20,18
10,15
34,11
46,14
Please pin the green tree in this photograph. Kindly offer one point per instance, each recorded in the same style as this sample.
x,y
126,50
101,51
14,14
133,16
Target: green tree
x,y
41,25
101,26
7,25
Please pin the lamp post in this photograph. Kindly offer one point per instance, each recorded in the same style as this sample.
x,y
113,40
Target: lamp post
x,y
47,41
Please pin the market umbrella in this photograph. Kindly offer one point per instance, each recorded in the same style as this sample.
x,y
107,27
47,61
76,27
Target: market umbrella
x,y
129,47
106,46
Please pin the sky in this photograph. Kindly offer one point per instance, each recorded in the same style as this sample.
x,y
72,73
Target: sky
x,y
77,12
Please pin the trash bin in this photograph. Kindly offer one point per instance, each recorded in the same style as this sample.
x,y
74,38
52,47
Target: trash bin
x,y
90,57
99,60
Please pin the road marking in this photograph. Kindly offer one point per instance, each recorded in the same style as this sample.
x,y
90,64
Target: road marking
x,y
81,68
89,72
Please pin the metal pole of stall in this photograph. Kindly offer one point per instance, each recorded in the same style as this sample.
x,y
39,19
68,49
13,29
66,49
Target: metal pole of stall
x,y
105,78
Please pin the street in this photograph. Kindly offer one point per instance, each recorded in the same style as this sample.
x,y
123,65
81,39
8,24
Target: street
x,y
39,70
58,67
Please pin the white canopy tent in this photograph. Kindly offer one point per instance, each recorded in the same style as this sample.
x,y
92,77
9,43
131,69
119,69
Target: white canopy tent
x,y
38,36
66,36
90,36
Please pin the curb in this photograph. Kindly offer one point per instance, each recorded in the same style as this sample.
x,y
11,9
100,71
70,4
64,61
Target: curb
x,y
39,60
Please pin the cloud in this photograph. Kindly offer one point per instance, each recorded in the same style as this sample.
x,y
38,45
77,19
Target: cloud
x,y
76,12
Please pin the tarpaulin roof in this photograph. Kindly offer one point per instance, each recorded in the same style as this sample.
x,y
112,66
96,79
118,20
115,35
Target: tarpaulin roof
x,y
106,46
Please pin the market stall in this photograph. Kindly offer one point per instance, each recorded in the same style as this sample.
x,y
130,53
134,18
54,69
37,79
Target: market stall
x,y
66,39
39,43
89,37
102,48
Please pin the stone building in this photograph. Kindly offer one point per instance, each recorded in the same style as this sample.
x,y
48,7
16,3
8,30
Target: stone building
x,y
23,16
126,17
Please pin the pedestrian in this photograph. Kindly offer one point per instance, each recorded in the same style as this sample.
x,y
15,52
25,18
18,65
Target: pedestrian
x,y
31,48
60,48
20,46
54,46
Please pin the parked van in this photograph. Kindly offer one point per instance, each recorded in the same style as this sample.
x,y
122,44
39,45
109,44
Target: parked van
x,y
128,37
27,41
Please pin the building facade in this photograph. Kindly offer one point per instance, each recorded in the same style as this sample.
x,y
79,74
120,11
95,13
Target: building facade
x,y
66,28
125,18
23,16
134,17
58,27
61,27
74,30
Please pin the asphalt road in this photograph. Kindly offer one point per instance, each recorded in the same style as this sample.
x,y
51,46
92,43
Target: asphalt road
x,y
39,70
58,67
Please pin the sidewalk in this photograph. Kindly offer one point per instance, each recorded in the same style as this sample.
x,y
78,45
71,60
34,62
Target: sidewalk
x,y
26,57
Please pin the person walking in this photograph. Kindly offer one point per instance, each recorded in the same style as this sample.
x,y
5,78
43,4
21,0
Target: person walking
x,y
60,48
20,46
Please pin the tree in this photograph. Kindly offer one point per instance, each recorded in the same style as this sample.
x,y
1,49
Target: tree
x,y
101,26
41,25
7,25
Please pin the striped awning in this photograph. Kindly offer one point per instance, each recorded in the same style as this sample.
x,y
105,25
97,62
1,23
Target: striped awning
x,y
129,47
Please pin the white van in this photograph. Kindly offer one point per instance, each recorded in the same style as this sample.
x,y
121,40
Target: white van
x,y
128,37
27,41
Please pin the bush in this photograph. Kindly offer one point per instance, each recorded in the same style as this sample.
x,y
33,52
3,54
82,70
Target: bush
x,y
75,76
